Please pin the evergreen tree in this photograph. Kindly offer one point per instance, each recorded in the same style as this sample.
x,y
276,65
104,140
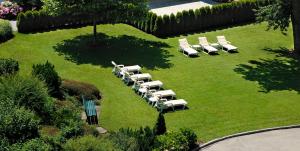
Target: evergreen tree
x,y
160,127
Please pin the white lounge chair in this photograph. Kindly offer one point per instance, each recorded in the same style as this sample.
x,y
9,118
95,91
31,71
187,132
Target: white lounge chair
x,y
119,70
154,96
131,77
186,48
143,87
204,44
165,104
226,44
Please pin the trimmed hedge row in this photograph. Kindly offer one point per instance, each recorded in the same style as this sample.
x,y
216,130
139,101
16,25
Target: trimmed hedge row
x,y
186,21
35,21
201,19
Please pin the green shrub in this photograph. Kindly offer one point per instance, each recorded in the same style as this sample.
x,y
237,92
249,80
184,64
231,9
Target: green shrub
x,y
16,124
132,140
160,126
8,66
78,89
68,119
191,137
172,141
35,145
89,143
5,30
30,93
73,129
47,73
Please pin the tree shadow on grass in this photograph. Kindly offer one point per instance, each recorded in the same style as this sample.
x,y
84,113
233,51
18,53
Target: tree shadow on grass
x,y
123,49
281,73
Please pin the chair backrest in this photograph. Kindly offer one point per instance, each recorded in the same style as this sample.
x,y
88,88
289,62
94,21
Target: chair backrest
x,y
183,42
203,41
112,62
222,40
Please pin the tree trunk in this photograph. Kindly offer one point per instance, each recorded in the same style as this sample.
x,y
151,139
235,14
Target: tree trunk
x,y
296,24
95,28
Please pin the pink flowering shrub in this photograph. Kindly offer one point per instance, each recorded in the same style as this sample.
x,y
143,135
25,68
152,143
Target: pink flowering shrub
x,y
9,10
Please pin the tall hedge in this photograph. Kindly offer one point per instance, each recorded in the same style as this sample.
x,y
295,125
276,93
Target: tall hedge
x,y
204,18
187,21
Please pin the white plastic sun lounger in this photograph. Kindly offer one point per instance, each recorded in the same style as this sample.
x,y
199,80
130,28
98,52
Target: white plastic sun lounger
x,y
204,44
129,77
145,87
155,96
225,44
165,104
186,48
120,70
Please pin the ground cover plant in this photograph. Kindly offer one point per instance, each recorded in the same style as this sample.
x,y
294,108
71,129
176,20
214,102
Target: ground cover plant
x,y
227,93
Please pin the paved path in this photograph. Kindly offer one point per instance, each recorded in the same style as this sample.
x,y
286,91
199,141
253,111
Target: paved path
x,y
278,140
166,7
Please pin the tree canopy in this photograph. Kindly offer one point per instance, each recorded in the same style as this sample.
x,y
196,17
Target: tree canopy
x,y
279,14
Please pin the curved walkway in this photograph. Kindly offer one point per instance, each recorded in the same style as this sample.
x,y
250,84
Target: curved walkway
x,y
277,140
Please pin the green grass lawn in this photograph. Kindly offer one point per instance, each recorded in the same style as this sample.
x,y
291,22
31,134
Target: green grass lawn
x,y
227,93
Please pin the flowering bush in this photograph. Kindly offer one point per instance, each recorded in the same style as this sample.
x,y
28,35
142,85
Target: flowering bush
x,y
9,10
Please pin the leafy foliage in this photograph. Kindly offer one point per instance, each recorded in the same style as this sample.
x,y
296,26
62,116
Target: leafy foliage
x,y
8,67
35,145
29,93
160,126
190,135
172,141
89,143
47,73
277,14
5,30
16,124
131,140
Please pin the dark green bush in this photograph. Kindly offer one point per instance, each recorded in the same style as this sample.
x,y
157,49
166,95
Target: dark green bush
x,y
5,30
73,129
191,137
30,93
132,140
47,73
160,126
35,145
16,123
67,118
172,141
78,89
8,67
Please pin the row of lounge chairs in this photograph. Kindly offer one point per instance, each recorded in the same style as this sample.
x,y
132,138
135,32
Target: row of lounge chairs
x,y
190,50
151,91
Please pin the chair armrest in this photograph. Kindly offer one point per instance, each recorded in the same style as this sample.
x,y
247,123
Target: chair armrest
x,y
163,100
152,91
